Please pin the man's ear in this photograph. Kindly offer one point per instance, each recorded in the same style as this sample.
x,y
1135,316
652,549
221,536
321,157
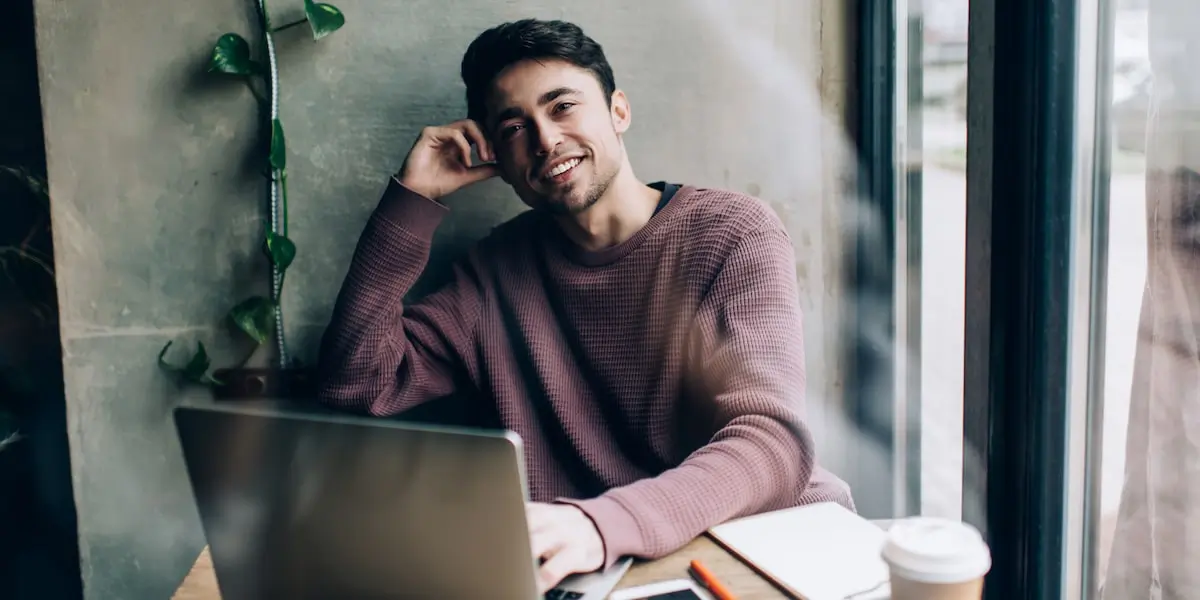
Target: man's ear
x,y
621,113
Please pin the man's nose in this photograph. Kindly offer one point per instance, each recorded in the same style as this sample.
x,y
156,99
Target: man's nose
x,y
548,138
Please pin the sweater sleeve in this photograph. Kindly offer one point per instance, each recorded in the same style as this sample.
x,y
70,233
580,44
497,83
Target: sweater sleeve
x,y
377,355
751,350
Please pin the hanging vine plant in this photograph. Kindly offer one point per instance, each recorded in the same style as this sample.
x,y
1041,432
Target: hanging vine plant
x,y
261,317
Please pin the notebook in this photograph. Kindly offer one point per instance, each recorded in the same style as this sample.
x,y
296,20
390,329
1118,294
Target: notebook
x,y
815,552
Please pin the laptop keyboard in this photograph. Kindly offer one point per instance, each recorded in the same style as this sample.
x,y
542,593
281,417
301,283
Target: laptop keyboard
x,y
558,594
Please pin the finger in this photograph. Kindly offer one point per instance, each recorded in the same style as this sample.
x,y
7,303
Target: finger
x,y
544,538
554,570
542,544
464,147
436,136
475,134
546,546
433,135
479,173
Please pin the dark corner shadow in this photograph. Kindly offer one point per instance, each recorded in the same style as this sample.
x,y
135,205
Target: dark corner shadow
x,y
39,553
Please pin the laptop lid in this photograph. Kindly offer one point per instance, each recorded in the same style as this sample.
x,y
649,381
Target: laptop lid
x,y
302,506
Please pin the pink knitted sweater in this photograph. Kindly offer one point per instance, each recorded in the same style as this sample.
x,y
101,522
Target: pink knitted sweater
x,y
658,384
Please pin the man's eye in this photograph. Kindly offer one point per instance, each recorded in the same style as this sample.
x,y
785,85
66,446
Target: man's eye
x,y
564,106
510,131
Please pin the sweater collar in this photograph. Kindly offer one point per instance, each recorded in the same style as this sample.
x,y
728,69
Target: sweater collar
x,y
562,244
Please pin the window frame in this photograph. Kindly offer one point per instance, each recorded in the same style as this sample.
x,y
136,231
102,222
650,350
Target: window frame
x,y
1037,177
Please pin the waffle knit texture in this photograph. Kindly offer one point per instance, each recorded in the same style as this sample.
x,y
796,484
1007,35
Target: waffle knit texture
x,y
658,385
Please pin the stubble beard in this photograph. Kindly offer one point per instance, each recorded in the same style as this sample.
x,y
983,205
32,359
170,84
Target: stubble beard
x,y
593,194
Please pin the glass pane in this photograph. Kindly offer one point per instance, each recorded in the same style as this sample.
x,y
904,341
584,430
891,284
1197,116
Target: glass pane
x,y
913,118
1126,250
908,387
1148,535
943,78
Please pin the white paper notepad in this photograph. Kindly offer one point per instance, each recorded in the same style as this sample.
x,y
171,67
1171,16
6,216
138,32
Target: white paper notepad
x,y
816,552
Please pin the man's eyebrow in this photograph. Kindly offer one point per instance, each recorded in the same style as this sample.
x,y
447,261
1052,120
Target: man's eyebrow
x,y
506,114
555,94
545,99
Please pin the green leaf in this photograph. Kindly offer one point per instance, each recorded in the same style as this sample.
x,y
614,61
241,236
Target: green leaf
x,y
281,250
254,317
278,155
231,55
196,369
323,18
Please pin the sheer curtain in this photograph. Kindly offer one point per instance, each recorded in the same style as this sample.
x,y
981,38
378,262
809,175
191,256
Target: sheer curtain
x,y
1156,547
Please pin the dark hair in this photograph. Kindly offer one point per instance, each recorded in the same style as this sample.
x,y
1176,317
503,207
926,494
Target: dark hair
x,y
528,39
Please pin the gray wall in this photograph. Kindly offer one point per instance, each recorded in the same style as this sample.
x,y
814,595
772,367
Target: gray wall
x,y
157,212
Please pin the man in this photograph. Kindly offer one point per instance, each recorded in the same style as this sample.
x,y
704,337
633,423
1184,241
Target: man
x,y
644,341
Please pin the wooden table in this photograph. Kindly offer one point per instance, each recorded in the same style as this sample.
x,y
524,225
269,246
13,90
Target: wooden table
x,y
201,583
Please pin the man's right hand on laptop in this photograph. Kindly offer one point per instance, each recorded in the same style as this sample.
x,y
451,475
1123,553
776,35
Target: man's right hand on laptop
x,y
564,541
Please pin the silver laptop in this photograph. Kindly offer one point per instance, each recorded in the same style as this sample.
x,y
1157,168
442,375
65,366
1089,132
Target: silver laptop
x,y
299,506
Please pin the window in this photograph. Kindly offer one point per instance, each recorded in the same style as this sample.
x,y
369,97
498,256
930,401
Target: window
x,y
912,138
1126,249
1145,544
1035,167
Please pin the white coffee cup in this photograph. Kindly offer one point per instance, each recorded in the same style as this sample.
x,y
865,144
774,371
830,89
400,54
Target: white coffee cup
x,y
936,559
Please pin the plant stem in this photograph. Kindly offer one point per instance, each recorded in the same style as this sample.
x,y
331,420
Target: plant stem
x,y
276,176
283,203
282,229
290,25
266,16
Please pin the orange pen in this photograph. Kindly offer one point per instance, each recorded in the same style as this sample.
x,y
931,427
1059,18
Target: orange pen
x,y
710,582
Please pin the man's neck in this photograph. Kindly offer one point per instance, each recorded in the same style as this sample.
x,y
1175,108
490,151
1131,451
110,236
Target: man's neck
x,y
622,211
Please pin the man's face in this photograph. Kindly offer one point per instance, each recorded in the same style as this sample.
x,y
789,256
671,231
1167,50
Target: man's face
x,y
557,141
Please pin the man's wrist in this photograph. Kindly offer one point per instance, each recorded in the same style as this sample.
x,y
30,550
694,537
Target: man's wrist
x,y
596,541
416,212
415,188
619,532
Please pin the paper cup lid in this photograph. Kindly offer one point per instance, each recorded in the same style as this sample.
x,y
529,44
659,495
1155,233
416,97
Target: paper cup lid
x,y
933,550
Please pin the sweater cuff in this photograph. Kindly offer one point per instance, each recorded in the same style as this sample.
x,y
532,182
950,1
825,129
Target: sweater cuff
x,y
415,213
619,531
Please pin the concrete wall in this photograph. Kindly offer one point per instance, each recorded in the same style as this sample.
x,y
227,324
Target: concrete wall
x,y
157,211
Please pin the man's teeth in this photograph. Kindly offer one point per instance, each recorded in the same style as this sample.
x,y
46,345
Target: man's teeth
x,y
563,168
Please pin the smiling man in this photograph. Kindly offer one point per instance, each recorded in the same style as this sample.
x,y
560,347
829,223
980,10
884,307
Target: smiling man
x,y
644,340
